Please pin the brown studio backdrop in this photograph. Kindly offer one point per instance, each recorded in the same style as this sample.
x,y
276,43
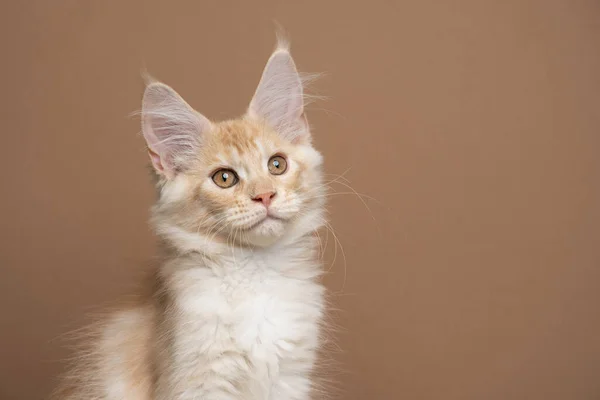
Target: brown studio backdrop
x,y
475,125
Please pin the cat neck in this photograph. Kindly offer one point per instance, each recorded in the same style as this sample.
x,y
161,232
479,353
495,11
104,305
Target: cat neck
x,y
300,235
296,258
297,245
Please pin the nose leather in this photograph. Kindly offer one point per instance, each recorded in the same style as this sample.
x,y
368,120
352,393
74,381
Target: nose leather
x,y
265,198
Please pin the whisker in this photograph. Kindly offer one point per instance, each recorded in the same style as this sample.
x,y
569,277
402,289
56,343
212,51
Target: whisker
x,y
338,243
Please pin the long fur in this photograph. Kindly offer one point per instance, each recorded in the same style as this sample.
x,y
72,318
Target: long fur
x,y
236,308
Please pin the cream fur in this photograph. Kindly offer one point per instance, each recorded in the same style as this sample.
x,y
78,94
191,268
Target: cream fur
x,y
235,309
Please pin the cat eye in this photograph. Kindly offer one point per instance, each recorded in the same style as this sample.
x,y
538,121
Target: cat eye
x,y
225,178
277,165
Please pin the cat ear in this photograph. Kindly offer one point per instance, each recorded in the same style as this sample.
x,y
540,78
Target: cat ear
x,y
173,130
279,99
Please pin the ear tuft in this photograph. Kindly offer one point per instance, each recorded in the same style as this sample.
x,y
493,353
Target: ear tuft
x,y
172,129
283,40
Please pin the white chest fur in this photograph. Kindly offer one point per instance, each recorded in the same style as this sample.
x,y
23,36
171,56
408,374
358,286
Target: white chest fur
x,y
253,318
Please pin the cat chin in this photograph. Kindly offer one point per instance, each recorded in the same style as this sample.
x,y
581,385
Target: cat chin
x,y
269,232
266,232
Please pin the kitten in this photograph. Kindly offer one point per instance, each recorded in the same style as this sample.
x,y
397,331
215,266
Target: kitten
x,y
234,310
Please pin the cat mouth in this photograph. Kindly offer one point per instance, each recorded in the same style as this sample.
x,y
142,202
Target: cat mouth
x,y
268,217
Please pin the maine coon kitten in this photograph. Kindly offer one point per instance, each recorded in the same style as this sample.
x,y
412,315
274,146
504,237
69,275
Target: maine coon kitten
x,y
234,310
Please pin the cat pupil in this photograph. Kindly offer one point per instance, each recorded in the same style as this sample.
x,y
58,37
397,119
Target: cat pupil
x,y
225,176
276,164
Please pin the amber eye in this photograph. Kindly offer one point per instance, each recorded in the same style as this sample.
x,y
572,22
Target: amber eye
x,y
225,178
277,165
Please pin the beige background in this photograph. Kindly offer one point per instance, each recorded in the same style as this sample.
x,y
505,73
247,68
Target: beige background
x,y
475,124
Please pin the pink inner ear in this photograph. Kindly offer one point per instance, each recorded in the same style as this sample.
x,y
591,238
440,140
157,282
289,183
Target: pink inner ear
x,y
278,98
155,158
171,127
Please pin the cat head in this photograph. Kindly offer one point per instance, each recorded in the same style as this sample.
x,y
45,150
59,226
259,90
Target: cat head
x,y
255,180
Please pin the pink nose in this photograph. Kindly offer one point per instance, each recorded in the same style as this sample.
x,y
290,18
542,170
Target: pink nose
x,y
265,198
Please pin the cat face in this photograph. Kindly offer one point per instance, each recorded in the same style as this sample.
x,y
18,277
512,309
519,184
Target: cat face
x,y
252,180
